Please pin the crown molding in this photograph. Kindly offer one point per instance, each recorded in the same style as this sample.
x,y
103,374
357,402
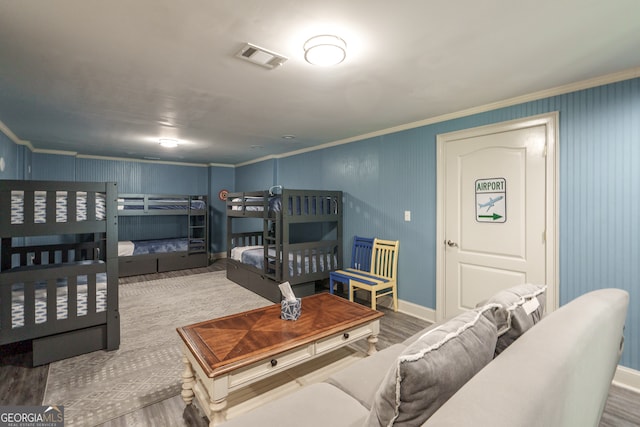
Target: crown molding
x,y
56,152
12,136
262,159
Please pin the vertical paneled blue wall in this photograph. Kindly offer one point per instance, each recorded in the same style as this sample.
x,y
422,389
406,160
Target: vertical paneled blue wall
x,y
599,193
53,167
221,178
144,177
25,160
132,177
599,198
256,176
9,154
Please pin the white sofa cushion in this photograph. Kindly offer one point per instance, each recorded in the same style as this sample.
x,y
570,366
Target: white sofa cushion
x,y
433,368
316,405
362,379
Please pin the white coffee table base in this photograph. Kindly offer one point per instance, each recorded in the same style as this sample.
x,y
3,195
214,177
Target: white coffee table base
x,y
212,393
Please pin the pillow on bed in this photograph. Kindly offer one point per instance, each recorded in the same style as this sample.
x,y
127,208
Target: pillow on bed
x,y
433,368
521,307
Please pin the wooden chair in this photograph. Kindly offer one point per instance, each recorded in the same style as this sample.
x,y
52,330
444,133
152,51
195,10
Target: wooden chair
x,y
360,260
381,280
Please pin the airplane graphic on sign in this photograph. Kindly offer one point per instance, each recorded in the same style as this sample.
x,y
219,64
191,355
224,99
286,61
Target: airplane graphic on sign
x,y
491,201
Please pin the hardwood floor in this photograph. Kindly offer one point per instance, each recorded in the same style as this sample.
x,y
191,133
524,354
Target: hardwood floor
x,y
622,408
22,385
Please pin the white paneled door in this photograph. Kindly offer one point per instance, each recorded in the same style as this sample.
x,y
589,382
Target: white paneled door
x,y
496,218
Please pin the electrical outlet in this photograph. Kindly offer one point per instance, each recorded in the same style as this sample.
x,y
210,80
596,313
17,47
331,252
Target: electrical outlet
x,y
407,216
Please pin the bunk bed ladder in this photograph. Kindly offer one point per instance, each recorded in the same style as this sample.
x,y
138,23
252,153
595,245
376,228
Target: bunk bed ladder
x,y
197,234
271,239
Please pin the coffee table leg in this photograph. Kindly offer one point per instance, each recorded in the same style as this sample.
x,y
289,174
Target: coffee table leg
x,y
188,380
373,339
218,412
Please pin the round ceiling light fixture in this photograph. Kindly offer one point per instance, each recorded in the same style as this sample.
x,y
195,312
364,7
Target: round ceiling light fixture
x,y
325,50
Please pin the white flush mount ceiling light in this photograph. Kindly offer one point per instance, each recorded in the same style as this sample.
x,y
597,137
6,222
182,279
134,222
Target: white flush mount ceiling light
x,y
168,143
325,50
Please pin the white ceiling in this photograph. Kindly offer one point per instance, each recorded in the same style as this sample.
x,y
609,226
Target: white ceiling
x,y
110,78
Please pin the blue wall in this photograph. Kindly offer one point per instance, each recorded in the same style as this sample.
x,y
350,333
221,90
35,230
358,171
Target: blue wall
x,y
599,162
256,176
145,177
50,167
9,153
132,177
221,178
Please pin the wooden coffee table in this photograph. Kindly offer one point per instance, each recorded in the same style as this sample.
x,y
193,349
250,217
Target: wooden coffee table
x,y
226,354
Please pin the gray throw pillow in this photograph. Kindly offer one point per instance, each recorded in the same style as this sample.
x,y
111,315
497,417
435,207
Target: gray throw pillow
x,y
521,307
433,368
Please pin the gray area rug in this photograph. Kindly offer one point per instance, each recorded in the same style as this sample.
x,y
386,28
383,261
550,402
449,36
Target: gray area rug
x,y
147,368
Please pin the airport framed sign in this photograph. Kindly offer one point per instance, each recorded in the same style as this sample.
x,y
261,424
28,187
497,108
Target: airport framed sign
x,y
491,200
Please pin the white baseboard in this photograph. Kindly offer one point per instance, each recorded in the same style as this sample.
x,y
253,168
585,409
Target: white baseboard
x,y
404,307
627,378
416,310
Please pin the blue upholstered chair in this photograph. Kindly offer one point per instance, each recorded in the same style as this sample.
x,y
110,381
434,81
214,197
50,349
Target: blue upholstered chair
x,y
360,260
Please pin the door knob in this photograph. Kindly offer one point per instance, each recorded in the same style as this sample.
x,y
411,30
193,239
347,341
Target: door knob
x,y
452,244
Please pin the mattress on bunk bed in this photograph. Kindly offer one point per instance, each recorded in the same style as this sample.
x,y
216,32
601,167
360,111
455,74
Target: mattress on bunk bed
x,y
160,204
298,204
40,206
62,309
275,204
254,255
143,247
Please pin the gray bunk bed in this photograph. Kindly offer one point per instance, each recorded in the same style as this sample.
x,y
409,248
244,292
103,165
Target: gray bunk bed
x,y
294,236
187,245
58,267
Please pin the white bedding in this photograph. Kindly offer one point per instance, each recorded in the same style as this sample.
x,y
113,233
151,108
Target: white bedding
x,y
236,253
125,248
248,208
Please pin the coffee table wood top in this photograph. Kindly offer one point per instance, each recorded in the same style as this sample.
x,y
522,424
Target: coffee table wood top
x,y
228,343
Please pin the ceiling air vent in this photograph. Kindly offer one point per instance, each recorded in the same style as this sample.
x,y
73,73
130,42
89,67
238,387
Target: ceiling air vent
x,y
263,57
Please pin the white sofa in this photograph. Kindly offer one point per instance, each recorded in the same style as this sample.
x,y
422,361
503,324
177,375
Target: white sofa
x,y
554,373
